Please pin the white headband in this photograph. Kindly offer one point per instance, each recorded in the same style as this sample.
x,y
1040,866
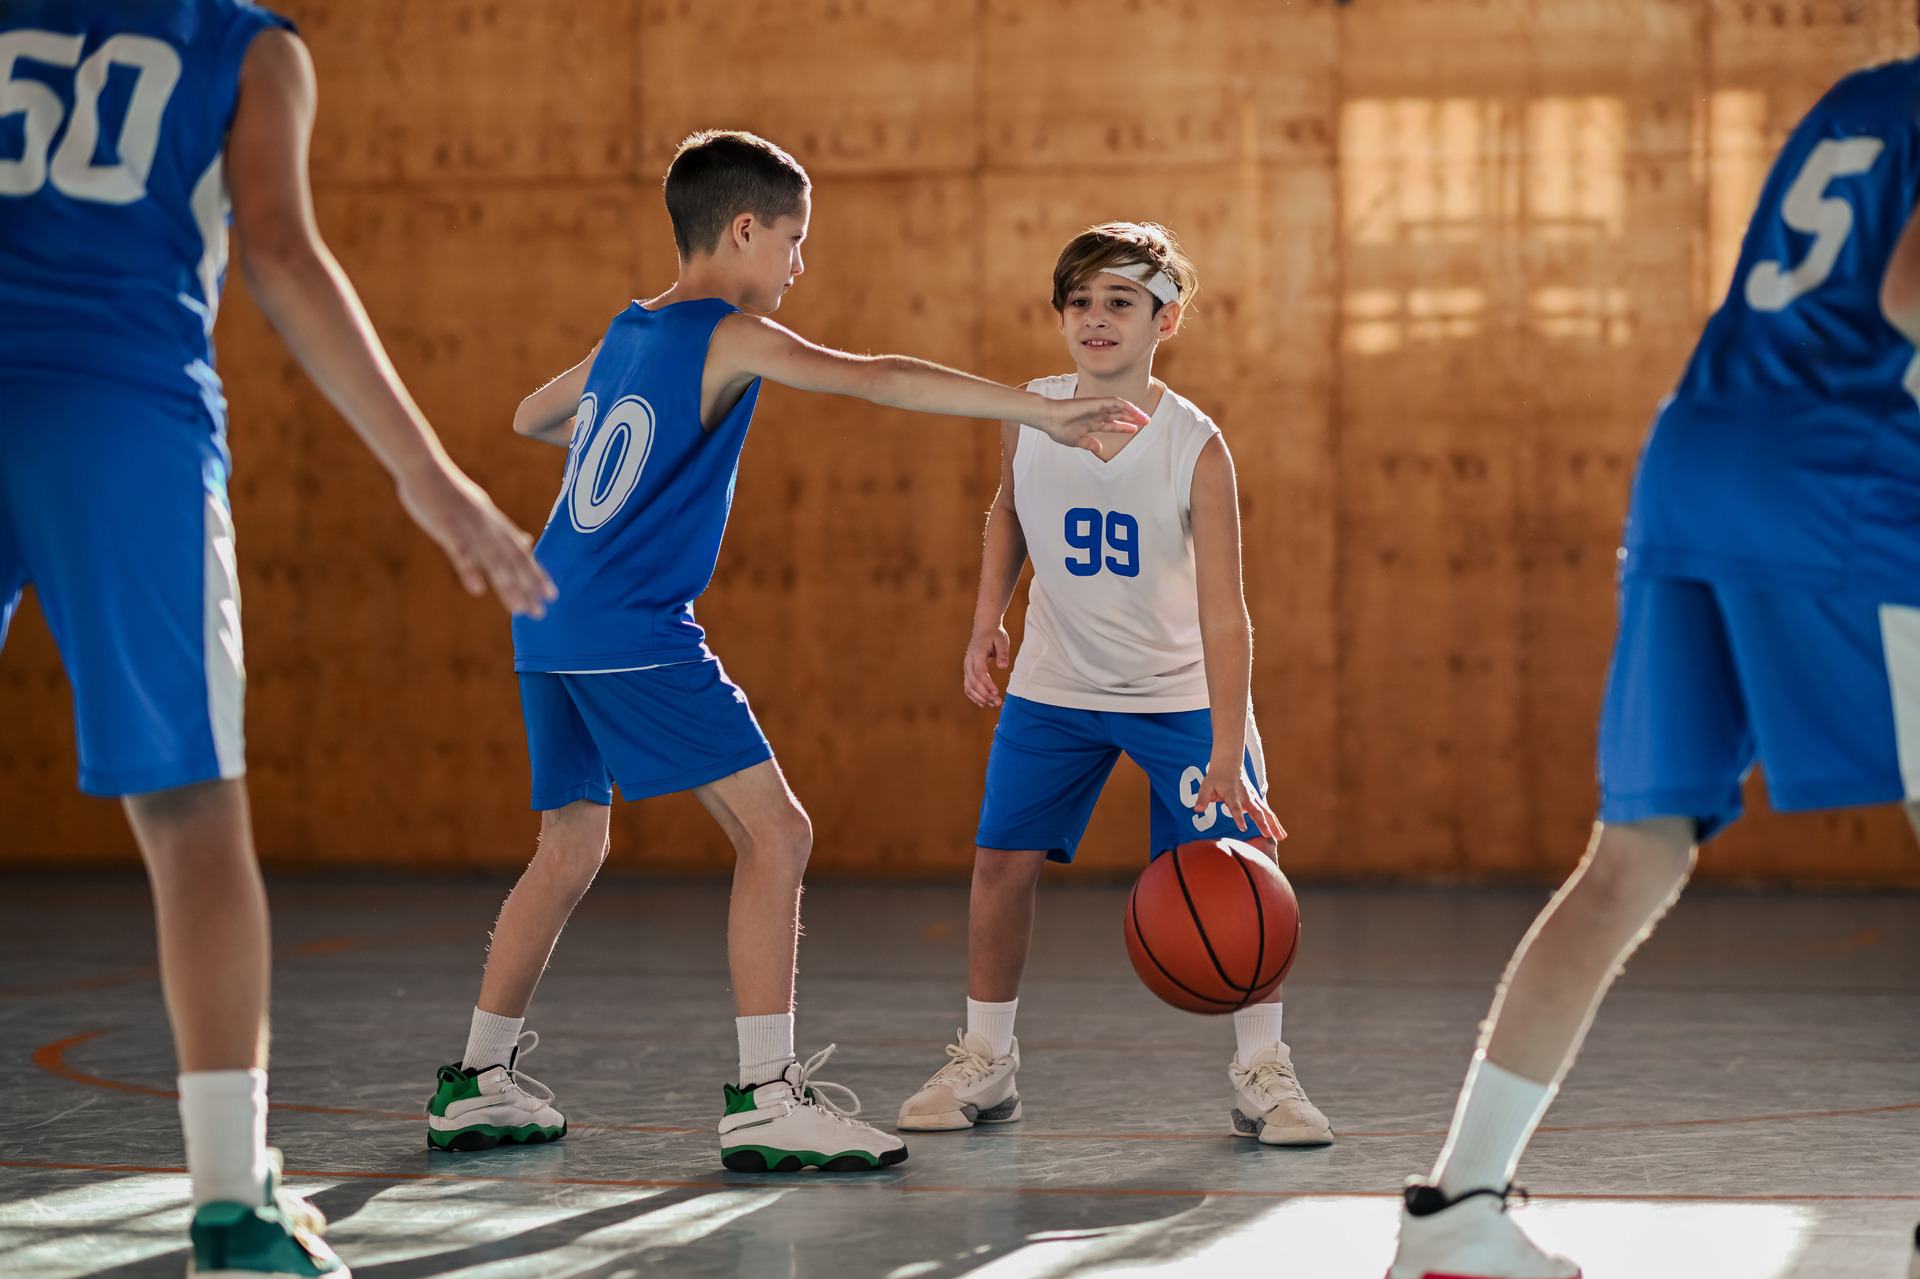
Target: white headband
x,y
1149,277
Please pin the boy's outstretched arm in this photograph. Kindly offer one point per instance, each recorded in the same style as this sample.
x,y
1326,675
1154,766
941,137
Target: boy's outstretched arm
x,y
1002,555
313,307
1226,640
547,414
749,346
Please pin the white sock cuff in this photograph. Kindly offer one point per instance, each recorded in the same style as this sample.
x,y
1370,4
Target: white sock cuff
x,y
1495,1119
1255,1029
766,1046
993,1022
491,1040
223,1083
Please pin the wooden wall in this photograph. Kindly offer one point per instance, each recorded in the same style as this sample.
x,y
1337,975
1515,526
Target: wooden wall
x,y
1453,251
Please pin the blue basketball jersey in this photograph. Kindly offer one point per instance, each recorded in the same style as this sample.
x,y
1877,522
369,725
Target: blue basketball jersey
x,y
113,203
635,534
1790,451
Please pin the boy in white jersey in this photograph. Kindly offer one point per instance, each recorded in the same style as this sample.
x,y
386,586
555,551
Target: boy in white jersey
x,y
616,680
1138,641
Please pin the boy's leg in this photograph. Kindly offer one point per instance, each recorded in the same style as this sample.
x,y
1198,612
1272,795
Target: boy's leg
x,y
772,839
210,911
1631,876
778,1118
572,848
1000,922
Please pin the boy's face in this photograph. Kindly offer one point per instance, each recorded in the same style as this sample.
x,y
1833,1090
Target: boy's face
x,y
773,256
1109,323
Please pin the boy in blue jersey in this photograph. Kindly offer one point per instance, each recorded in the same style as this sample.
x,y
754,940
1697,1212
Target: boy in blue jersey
x,y
617,682
139,123
1769,610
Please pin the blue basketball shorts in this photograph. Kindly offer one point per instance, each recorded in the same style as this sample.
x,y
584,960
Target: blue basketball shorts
x,y
1821,688
1049,764
653,732
113,504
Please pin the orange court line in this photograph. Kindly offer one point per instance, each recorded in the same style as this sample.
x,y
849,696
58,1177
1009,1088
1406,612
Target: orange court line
x,y
908,1187
52,1059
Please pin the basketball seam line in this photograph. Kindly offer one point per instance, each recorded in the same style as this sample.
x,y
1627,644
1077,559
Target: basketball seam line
x,y
1259,924
1206,941
1133,922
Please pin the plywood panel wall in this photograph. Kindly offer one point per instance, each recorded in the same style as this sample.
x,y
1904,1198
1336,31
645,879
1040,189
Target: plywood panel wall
x,y
1452,251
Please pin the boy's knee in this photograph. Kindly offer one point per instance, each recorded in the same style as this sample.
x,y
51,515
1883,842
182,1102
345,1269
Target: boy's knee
x,y
1637,868
787,836
994,868
576,836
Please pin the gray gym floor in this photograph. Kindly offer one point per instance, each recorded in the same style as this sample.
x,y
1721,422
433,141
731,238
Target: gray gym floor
x,y
1748,1106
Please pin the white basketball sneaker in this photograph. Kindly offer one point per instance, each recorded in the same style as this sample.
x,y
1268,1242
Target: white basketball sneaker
x,y
789,1124
974,1087
1269,1103
480,1109
1469,1237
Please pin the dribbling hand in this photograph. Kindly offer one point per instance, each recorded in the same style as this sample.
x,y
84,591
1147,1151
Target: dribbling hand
x,y
1226,785
487,548
994,646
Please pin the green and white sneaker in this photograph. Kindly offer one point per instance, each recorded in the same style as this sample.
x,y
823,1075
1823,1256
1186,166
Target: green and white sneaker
x,y
1270,1105
480,1109
275,1239
974,1087
789,1124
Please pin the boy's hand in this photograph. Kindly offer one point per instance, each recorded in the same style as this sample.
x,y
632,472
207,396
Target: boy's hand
x,y
1073,422
1226,785
485,546
986,645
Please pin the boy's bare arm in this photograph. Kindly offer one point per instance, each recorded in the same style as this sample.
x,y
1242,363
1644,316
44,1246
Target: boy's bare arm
x,y
1226,637
314,308
748,346
547,414
1002,555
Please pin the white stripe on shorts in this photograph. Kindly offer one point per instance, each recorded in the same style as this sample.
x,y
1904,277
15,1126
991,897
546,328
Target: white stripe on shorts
x,y
1258,752
1900,637
221,644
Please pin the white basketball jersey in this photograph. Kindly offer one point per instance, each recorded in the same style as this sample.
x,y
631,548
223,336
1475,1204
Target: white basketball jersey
x,y
1113,616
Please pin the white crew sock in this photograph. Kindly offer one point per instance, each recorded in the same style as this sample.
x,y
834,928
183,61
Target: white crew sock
x,y
993,1023
491,1040
766,1047
1256,1028
223,1114
1497,1114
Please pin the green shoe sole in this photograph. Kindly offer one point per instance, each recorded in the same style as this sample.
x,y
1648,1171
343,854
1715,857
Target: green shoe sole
x,y
767,1159
487,1136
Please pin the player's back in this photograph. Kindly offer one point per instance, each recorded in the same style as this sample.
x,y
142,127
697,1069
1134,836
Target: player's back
x,y
113,201
635,535
1796,416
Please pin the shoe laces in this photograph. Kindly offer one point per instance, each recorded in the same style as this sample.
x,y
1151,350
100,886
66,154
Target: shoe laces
x,y
814,1092
1272,1079
964,1065
525,1084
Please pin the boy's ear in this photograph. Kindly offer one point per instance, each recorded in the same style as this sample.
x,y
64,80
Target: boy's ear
x,y
1168,320
740,230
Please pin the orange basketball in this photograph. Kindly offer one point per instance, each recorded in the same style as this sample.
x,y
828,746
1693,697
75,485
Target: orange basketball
x,y
1212,926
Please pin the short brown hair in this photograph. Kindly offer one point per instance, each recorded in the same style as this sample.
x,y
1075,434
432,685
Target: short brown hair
x,y
1111,244
718,174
